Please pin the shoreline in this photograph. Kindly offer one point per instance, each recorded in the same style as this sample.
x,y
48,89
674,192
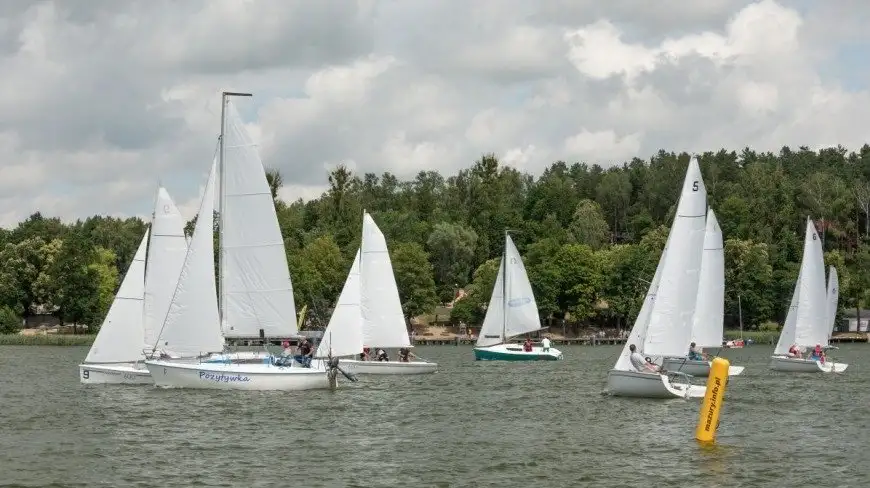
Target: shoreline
x,y
758,337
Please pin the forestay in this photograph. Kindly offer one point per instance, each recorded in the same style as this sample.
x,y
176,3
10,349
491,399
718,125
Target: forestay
x,y
707,321
519,313
256,289
191,325
670,326
166,252
383,319
120,337
344,333
833,299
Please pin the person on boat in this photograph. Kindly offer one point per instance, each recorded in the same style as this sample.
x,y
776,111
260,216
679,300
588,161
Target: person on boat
x,y
527,346
695,353
818,354
286,349
794,351
545,344
405,355
364,355
304,353
382,355
641,364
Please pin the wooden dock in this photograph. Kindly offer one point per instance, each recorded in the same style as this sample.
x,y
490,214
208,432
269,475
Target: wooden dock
x,y
571,341
850,337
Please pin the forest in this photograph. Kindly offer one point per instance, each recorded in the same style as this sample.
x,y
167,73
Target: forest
x,y
590,237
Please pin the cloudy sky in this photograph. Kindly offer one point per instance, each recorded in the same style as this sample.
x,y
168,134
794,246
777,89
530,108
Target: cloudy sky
x,y
101,98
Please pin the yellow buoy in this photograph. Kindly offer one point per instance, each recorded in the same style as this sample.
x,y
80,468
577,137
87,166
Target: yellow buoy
x,y
708,420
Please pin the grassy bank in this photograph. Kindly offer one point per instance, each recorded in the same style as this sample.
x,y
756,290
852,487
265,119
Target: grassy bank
x,y
46,340
759,336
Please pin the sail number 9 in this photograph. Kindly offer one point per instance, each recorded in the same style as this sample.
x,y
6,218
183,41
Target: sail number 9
x,y
86,374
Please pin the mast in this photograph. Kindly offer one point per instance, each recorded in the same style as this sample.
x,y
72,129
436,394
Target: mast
x,y
740,315
504,295
222,302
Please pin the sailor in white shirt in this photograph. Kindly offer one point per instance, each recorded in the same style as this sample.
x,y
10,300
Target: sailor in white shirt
x,y
640,364
545,344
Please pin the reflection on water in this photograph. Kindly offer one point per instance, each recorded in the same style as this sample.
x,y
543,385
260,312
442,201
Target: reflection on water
x,y
472,424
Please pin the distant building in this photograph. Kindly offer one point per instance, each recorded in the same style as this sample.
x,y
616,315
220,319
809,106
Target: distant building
x,y
850,321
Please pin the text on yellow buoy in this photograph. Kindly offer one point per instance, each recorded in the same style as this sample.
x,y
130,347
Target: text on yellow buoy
x,y
708,420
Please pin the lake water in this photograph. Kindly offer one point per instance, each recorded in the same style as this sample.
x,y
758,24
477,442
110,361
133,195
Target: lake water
x,y
476,424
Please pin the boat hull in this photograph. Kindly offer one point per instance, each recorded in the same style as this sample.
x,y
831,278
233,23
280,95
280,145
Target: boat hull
x,y
114,374
796,365
514,352
253,377
649,385
356,366
695,368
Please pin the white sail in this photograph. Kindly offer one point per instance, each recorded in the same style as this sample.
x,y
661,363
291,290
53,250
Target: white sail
x,y
707,322
788,334
256,292
833,299
812,306
519,313
120,337
637,336
344,333
808,305
670,325
383,319
190,328
166,252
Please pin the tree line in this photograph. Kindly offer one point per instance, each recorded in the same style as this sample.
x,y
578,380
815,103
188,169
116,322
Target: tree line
x,y
590,237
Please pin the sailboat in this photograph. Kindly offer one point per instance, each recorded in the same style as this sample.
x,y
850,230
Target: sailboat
x,y
833,300
116,355
807,321
664,324
369,311
707,321
512,311
255,295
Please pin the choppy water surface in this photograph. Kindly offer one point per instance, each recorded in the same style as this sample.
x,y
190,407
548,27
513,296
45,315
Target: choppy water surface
x,y
472,424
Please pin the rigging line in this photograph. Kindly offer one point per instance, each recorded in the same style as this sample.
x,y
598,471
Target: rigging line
x,y
175,290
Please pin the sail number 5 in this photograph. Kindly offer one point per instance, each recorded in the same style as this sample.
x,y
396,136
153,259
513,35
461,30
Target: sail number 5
x,y
694,186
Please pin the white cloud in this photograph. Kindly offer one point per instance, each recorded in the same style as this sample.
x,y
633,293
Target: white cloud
x,y
99,100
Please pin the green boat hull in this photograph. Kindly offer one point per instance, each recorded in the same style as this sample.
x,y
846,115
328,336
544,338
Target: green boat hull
x,y
485,354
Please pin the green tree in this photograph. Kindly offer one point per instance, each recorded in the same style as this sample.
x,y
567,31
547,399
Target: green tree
x,y
588,225
318,272
452,248
10,322
77,282
413,274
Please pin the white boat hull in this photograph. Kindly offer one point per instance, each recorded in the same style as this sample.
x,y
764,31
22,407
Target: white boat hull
x,y
253,377
650,385
797,365
356,366
515,352
695,368
115,374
